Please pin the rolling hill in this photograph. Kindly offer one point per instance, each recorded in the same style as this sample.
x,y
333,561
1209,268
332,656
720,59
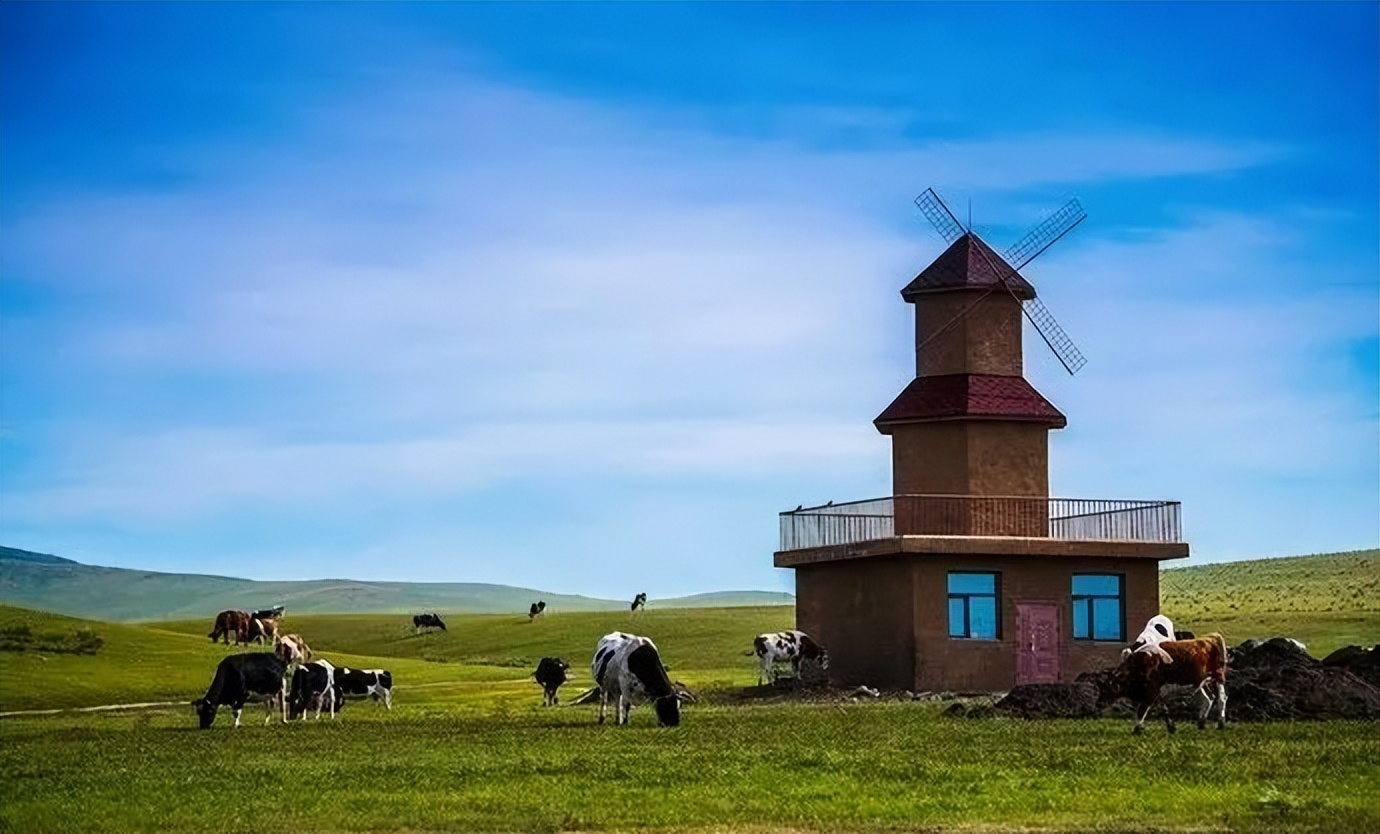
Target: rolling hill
x,y
51,583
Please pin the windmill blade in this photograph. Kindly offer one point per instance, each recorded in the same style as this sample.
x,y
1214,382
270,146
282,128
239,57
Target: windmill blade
x,y
939,216
1043,236
1054,335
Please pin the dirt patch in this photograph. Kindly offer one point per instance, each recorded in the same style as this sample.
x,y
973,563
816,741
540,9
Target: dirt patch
x,y
1051,700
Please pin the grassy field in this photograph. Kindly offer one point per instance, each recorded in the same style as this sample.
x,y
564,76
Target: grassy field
x,y
875,766
468,746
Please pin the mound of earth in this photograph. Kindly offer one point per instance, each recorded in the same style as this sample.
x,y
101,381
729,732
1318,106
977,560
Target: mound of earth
x,y
1267,680
1051,700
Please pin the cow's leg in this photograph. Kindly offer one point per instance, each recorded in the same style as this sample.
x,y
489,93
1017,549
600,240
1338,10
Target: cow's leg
x,y
1144,710
237,711
1222,710
763,670
1205,703
1168,719
603,703
624,707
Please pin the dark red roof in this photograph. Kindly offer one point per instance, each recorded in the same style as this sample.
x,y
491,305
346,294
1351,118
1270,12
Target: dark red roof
x,y
952,396
968,264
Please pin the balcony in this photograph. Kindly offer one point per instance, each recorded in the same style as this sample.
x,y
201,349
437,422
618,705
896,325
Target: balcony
x,y
1065,519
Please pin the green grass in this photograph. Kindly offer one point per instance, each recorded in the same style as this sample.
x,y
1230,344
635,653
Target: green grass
x,y
1327,600
887,766
468,747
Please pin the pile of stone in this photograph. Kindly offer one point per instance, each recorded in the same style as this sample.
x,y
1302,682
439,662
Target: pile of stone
x,y
1267,680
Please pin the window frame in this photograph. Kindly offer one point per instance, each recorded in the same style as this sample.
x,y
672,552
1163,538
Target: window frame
x,y
1091,621
966,598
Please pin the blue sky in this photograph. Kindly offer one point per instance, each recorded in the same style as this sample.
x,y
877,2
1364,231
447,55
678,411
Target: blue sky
x,y
579,297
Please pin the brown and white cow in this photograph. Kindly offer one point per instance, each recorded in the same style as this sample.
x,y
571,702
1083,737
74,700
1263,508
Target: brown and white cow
x,y
262,629
231,622
292,649
1200,663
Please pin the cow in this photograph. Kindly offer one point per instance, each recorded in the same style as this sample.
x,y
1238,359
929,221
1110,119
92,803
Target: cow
x,y
421,621
274,613
793,645
292,649
1158,629
262,629
551,673
365,683
254,676
231,622
537,607
313,686
628,668
1200,663
639,602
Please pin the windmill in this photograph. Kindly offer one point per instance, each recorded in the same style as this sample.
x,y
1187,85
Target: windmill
x,y
1006,268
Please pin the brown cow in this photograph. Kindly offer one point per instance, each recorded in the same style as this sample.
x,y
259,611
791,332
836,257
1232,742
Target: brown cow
x,y
228,622
262,629
1200,663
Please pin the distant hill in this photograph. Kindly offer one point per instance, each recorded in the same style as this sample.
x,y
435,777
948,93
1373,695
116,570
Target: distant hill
x,y
51,583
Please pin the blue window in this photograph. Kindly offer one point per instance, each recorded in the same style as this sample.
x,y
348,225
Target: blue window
x,y
973,606
1098,606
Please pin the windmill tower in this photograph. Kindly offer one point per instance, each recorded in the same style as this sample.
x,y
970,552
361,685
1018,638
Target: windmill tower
x,y
969,575
969,424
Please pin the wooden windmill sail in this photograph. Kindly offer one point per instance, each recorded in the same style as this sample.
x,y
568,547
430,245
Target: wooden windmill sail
x,y
1003,270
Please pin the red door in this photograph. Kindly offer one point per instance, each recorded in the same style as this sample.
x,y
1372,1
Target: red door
x,y
1037,642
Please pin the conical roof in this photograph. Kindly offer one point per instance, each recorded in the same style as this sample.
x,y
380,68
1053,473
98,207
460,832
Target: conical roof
x,y
968,264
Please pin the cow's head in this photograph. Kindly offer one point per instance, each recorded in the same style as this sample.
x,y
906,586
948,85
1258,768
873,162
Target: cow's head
x,y
668,710
205,712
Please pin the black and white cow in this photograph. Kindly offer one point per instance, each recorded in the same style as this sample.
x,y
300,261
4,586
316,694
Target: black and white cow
x,y
274,613
365,683
240,678
639,602
537,608
551,673
1158,629
313,687
421,621
793,645
628,668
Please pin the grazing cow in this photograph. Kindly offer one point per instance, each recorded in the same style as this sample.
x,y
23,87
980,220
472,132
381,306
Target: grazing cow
x,y
793,645
537,607
1200,663
262,629
274,613
240,678
628,668
551,673
421,621
639,601
364,683
313,686
292,649
231,622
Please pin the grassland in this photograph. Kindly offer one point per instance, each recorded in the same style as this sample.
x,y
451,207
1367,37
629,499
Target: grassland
x,y
1326,600
888,766
468,746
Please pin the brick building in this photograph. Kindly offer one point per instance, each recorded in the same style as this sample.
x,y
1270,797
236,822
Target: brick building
x,y
969,576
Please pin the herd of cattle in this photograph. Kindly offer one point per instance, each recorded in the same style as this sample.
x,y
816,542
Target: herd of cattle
x,y
627,669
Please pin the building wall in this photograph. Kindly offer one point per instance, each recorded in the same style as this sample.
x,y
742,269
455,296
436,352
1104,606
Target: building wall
x,y
945,663
861,613
930,459
974,332
884,620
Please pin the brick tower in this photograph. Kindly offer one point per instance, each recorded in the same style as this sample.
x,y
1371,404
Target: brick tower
x,y
969,424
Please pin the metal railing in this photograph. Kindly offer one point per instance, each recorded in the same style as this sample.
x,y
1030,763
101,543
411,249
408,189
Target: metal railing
x,y
1073,519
